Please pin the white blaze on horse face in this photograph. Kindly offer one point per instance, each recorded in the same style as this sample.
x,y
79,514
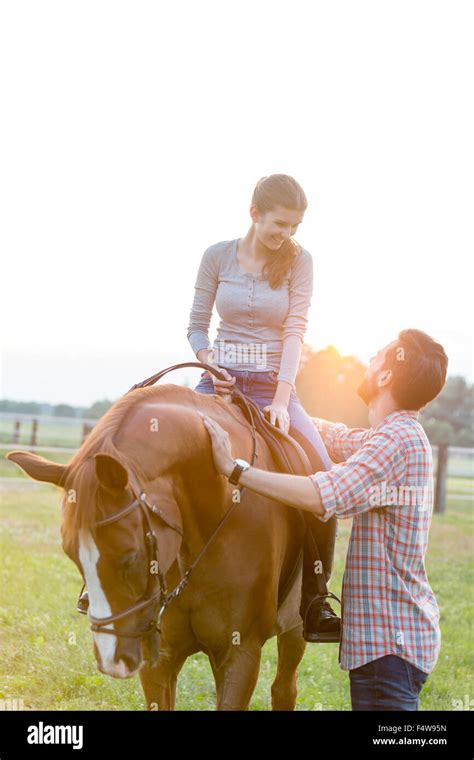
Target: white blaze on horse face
x,y
98,604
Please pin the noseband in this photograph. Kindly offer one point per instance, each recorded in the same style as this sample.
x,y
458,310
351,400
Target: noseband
x,y
156,590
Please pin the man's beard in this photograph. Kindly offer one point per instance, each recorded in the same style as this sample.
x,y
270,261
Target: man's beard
x,y
367,390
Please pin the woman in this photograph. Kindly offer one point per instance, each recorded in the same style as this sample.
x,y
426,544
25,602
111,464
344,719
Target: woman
x,y
262,287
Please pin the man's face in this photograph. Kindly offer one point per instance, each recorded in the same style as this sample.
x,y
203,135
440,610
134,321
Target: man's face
x,y
376,376
275,227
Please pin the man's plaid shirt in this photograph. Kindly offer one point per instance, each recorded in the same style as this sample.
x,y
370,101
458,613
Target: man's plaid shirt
x,y
386,485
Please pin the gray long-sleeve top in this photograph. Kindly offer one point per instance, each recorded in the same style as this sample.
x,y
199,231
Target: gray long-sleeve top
x,y
260,328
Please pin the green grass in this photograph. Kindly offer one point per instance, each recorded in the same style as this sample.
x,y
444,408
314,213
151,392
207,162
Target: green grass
x,y
47,658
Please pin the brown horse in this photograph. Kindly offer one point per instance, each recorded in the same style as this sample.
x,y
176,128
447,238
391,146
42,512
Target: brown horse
x,y
246,587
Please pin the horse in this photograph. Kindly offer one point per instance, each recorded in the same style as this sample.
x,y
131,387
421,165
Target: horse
x,y
142,506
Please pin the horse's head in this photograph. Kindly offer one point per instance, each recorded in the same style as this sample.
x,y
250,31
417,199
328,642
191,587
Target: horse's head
x,y
107,531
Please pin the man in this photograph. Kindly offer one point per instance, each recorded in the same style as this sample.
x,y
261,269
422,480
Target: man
x,y
384,481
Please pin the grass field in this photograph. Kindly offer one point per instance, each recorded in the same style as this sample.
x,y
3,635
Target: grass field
x,y
47,660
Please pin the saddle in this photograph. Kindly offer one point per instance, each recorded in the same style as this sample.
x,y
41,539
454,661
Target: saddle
x,y
288,455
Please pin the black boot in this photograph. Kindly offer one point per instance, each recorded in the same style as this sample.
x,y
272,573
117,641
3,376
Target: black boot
x,y
320,622
321,625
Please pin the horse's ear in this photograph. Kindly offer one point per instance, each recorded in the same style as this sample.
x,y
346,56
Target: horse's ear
x,y
110,472
38,467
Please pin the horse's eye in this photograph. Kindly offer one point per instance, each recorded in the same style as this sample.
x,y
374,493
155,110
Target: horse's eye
x,y
127,561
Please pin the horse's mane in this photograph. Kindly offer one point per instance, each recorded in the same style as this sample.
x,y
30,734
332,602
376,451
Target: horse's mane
x,y
80,480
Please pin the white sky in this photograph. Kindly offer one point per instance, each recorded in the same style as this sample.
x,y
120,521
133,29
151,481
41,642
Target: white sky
x,y
133,135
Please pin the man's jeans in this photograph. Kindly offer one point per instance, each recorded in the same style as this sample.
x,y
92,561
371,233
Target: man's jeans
x,y
388,683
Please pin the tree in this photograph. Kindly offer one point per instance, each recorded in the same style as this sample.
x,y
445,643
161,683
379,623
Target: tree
x,y
327,386
64,410
98,409
450,417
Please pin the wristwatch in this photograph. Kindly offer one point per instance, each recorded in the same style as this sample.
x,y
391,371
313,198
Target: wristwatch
x,y
240,466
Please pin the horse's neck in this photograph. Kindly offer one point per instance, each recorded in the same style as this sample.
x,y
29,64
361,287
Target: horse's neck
x,y
182,451
203,499
186,455
206,496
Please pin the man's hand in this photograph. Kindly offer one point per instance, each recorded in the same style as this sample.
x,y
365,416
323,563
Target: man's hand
x,y
323,426
294,490
221,448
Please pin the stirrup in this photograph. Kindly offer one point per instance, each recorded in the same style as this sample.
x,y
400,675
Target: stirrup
x,y
322,637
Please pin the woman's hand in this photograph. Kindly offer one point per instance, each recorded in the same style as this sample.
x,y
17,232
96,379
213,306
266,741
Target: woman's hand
x,y
279,416
221,387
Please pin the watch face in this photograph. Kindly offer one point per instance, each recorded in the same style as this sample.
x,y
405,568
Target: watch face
x,y
241,462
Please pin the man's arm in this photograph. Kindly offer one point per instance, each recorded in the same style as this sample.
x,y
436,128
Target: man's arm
x,y
359,484
323,426
294,490
345,490
341,442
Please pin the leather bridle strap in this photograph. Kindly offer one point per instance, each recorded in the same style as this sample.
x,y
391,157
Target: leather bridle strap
x,y
184,580
154,378
142,499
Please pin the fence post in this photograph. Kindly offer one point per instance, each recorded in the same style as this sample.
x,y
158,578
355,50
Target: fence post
x,y
86,429
34,432
16,432
441,474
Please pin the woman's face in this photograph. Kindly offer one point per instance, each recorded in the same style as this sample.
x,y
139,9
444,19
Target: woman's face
x,y
276,226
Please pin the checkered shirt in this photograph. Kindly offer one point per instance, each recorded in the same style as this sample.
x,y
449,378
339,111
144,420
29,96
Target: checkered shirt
x,y
385,483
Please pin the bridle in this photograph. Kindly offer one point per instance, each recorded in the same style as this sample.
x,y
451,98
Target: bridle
x,y
156,590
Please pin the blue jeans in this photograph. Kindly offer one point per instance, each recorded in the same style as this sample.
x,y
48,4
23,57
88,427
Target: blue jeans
x,y
388,683
261,387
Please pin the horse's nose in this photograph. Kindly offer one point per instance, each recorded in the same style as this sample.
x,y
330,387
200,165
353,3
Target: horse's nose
x,y
122,668
130,662
127,657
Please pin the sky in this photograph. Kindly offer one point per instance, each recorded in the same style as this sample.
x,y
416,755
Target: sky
x,y
133,135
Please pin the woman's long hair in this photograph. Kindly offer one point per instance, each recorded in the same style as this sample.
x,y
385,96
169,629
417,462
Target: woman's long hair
x,y
272,191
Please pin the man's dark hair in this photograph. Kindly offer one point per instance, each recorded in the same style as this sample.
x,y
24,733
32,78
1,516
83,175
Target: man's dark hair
x,y
418,366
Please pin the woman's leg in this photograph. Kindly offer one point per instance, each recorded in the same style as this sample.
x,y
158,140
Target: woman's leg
x,y
304,431
302,427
